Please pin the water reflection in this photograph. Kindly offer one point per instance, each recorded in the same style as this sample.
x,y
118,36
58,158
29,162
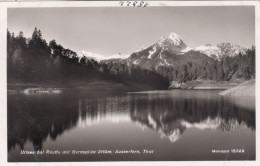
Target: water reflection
x,y
172,113
35,118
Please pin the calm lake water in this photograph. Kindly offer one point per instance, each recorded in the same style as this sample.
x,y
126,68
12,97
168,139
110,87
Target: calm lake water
x,y
172,125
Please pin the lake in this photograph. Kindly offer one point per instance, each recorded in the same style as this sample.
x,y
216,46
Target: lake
x,y
151,125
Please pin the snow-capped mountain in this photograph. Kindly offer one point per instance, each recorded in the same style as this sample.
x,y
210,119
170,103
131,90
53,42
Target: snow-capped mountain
x,y
218,51
228,49
99,57
172,43
168,51
209,50
171,50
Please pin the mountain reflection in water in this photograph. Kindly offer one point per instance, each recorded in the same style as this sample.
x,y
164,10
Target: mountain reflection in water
x,y
169,113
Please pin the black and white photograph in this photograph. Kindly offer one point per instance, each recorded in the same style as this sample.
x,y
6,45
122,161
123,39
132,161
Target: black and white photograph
x,y
131,82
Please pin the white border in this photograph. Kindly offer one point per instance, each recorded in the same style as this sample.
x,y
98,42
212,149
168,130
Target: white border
x,y
3,86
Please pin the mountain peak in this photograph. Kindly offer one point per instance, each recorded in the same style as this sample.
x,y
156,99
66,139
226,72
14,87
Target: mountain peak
x,y
175,38
99,57
173,43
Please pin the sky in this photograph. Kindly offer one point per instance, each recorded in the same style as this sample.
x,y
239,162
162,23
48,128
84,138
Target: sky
x,y
108,30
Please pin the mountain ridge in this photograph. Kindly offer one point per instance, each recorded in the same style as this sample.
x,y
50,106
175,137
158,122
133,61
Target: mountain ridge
x,y
167,49
155,66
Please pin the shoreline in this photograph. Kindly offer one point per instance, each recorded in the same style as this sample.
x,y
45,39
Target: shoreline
x,y
205,84
245,89
106,87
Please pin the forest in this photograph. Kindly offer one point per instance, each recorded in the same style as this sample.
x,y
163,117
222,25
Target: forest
x,y
33,60
226,69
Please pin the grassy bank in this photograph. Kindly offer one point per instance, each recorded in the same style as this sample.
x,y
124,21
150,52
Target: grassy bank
x,y
244,89
207,84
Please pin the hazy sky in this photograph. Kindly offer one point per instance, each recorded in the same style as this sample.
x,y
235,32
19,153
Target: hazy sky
x,y
124,30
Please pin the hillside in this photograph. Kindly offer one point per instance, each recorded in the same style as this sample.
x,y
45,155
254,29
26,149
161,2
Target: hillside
x,y
244,89
34,61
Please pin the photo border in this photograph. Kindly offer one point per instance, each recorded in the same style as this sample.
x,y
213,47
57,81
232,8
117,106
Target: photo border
x,y
3,73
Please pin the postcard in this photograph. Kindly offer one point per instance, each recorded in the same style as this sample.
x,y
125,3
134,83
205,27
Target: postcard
x,y
141,81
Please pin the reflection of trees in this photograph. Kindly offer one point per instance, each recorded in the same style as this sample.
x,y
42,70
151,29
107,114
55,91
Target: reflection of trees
x,y
171,116
35,118
95,110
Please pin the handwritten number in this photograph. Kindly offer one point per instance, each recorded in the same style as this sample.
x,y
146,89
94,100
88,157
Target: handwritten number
x,y
121,3
141,4
146,4
135,3
128,3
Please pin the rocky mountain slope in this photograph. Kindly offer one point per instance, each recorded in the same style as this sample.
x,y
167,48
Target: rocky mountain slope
x,y
169,51
157,66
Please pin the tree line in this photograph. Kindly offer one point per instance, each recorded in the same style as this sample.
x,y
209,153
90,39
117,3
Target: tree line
x,y
33,60
225,69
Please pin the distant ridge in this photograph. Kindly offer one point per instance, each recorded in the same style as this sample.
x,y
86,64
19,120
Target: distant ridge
x,y
168,51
